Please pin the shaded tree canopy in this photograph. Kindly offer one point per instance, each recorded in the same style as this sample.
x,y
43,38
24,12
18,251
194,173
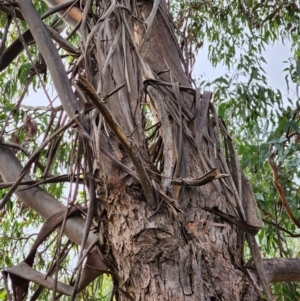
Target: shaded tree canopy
x,y
134,186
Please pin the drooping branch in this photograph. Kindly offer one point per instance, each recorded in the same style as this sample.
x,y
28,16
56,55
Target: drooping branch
x,y
281,191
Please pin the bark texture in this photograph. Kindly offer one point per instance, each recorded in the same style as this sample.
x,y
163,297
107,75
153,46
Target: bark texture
x,y
178,251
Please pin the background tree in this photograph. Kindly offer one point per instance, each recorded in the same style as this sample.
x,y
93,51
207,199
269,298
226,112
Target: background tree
x,y
164,195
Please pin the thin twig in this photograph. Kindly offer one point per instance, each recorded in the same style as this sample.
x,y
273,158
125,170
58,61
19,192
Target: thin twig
x,y
281,191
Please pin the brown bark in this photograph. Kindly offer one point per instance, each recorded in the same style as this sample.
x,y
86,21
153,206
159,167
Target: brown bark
x,y
178,252
282,269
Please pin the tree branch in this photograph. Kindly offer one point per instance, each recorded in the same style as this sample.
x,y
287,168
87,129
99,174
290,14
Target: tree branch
x,y
282,269
38,199
56,68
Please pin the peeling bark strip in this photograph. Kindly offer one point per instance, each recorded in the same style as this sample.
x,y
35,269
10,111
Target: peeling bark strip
x,y
24,271
233,220
50,224
58,73
201,114
145,182
210,176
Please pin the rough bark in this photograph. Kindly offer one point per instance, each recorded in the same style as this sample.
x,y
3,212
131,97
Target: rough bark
x,y
179,252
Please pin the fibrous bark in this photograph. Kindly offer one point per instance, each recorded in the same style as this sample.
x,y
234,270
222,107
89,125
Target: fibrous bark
x,y
178,252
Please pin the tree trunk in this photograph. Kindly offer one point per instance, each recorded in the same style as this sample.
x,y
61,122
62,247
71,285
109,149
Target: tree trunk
x,y
179,251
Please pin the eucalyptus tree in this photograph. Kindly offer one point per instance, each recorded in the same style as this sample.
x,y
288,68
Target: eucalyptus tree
x,y
166,209
262,120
